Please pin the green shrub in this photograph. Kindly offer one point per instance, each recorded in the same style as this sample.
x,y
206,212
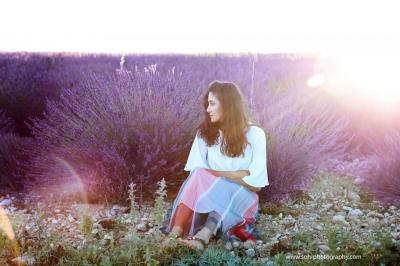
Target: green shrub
x,y
134,210
160,206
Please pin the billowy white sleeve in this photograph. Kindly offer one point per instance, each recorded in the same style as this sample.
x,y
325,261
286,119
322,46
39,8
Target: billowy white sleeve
x,y
198,155
258,167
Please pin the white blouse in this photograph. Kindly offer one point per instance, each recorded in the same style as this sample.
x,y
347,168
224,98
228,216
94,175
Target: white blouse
x,y
254,159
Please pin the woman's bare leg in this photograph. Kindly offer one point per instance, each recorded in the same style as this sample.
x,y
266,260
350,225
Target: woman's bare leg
x,y
182,215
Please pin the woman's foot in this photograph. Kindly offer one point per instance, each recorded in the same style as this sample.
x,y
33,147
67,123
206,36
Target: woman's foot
x,y
200,240
194,242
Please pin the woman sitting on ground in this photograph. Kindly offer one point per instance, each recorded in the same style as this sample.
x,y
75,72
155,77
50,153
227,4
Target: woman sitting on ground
x,y
227,164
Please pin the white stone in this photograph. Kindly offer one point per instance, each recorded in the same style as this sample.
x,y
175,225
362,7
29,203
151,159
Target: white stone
x,y
70,218
324,248
318,227
236,244
270,263
141,227
396,235
375,214
24,260
347,208
326,206
339,219
355,212
249,244
6,202
250,252
275,238
228,245
107,237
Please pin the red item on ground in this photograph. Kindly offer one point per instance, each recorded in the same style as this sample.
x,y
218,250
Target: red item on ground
x,y
241,233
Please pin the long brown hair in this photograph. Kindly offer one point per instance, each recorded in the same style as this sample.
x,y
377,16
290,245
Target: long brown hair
x,y
233,124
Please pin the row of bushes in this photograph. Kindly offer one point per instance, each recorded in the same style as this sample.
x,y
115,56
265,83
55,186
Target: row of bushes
x,y
28,79
136,124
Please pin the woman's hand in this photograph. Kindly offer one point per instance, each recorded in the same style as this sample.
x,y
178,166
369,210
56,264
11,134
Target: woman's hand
x,y
214,172
235,176
240,173
230,174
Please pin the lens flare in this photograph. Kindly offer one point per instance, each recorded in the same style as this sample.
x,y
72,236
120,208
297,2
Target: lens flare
x,y
5,226
77,181
316,80
77,185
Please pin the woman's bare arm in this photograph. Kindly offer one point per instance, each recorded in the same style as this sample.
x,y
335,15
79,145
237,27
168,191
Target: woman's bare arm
x,y
235,176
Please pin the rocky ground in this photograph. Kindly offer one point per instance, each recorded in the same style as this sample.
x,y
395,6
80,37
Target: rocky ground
x,y
292,227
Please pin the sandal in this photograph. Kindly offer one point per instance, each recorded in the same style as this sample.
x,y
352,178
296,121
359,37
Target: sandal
x,y
191,245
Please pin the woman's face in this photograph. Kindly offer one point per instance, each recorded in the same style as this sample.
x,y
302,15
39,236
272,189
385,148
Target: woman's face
x,y
214,108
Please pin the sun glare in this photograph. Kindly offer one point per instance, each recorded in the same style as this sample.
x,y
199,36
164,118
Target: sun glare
x,y
366,78
316,80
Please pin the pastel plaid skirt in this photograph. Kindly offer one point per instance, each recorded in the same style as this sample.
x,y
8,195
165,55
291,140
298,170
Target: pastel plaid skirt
x,y
204,193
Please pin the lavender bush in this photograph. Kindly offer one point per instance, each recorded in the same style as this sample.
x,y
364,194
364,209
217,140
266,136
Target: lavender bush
x,y
116,129
357,168
27,79
5,123
383,180
12,173
303,133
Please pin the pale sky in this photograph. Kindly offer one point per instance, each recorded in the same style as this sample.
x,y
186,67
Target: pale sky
x,y
172,26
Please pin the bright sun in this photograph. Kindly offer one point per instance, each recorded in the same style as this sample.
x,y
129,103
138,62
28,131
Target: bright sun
x,y
368,79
